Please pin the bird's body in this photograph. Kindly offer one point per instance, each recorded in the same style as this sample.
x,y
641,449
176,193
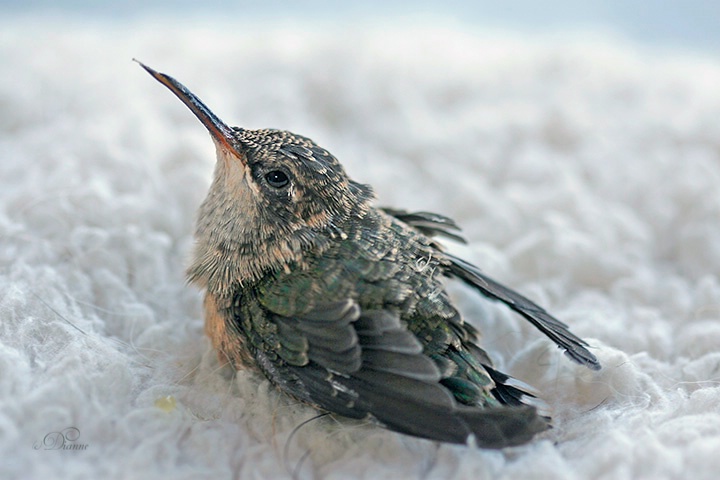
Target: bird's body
x,y
343,305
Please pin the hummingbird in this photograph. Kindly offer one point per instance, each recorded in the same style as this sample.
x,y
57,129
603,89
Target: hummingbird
x,y
342,305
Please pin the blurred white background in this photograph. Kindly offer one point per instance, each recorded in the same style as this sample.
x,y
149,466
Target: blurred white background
x,y
687,25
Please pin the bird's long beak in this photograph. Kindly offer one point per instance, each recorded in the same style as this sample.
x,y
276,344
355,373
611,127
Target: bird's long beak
x,y
220,132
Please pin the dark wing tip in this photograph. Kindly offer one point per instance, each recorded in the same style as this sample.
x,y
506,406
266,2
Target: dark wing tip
x,y
428,223
584,357
556,330
427,410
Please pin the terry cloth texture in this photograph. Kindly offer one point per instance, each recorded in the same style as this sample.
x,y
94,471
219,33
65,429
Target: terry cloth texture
x,y
585,173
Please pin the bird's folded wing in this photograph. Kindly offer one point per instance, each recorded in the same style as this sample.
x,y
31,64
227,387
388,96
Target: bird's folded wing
x,y
359,363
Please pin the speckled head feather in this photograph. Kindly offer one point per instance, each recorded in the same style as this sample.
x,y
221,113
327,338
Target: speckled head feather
x,y
285,197
274,196
319,190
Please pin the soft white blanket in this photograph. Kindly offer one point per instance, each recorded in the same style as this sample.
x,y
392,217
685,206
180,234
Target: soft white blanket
x,y
585,172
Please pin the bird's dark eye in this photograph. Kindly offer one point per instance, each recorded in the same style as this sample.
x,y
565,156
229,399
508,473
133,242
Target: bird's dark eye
x,y
277,179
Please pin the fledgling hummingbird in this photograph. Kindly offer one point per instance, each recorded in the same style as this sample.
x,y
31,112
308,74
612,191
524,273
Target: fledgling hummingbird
x,y
341,304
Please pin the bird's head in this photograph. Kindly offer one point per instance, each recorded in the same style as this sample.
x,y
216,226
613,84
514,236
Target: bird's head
x,y
275,196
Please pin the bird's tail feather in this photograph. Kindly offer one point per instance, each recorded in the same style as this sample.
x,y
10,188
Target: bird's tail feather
x,y
418,408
